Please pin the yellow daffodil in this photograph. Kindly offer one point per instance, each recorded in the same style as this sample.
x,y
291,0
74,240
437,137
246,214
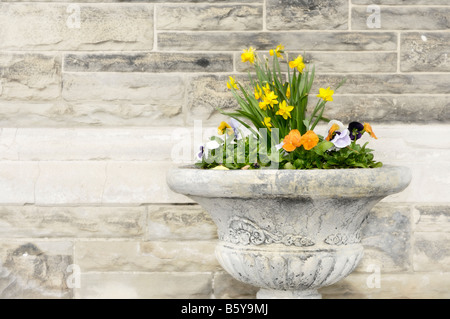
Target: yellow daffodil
x,y
326,94
224,127
297,63
266,88
292,141
278,50
248,55
309,140
267,123
284,110
263,105
288,92
232,83
368,129
258,92
270,98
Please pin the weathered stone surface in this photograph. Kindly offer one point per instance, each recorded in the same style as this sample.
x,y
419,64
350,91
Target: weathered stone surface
x,y
392,286
386,237
189,222
145,1
431,251
404,18
226,287
148,62
348,62
432,218
205,95
402,2
30,76
308,41
90,114
315,15
18,182
76,222
209,17
97,182
145,285
170,256
390,108
38,270
384,83
140,98
165,90
88,144
44,26
425,52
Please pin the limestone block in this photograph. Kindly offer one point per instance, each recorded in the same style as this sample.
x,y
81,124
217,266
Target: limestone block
x,y
148,62
209,17
307,41
168,256
158,285
226,287
51,26
386,237
431,251
75,222
28,76
432,218
75,113
187,222
18,182
424,52
47,144
402,2
314,15
348,62
384,83
390,286
404,18
35,270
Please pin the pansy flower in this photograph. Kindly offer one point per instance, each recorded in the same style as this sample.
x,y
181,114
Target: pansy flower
x,y
356,130
309,140
342,139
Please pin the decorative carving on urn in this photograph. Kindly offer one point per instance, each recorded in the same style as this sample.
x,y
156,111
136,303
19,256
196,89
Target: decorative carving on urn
x,y
246,232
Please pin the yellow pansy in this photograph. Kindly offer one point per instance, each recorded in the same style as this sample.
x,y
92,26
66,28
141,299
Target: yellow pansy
x,y
297,63
326,94
248,55
266,123
278,50
224,127
284,110
232,83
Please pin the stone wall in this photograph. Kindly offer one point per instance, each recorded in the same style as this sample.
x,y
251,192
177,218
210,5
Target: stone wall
x,y
95,96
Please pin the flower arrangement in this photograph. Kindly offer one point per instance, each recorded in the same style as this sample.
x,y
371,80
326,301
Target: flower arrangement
x,y
274,128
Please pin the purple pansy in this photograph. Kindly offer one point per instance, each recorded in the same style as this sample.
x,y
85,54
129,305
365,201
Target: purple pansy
x,y
355,129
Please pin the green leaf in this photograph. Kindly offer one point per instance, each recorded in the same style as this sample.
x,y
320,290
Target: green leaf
x,y
322,147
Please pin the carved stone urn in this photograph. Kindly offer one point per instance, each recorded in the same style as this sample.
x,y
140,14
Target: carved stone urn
x,y
289,232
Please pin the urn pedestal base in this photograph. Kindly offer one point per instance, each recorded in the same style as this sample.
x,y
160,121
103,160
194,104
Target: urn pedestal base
x,y
288,294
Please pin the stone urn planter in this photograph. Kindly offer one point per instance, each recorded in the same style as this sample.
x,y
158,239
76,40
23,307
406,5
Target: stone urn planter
x,y
289,232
